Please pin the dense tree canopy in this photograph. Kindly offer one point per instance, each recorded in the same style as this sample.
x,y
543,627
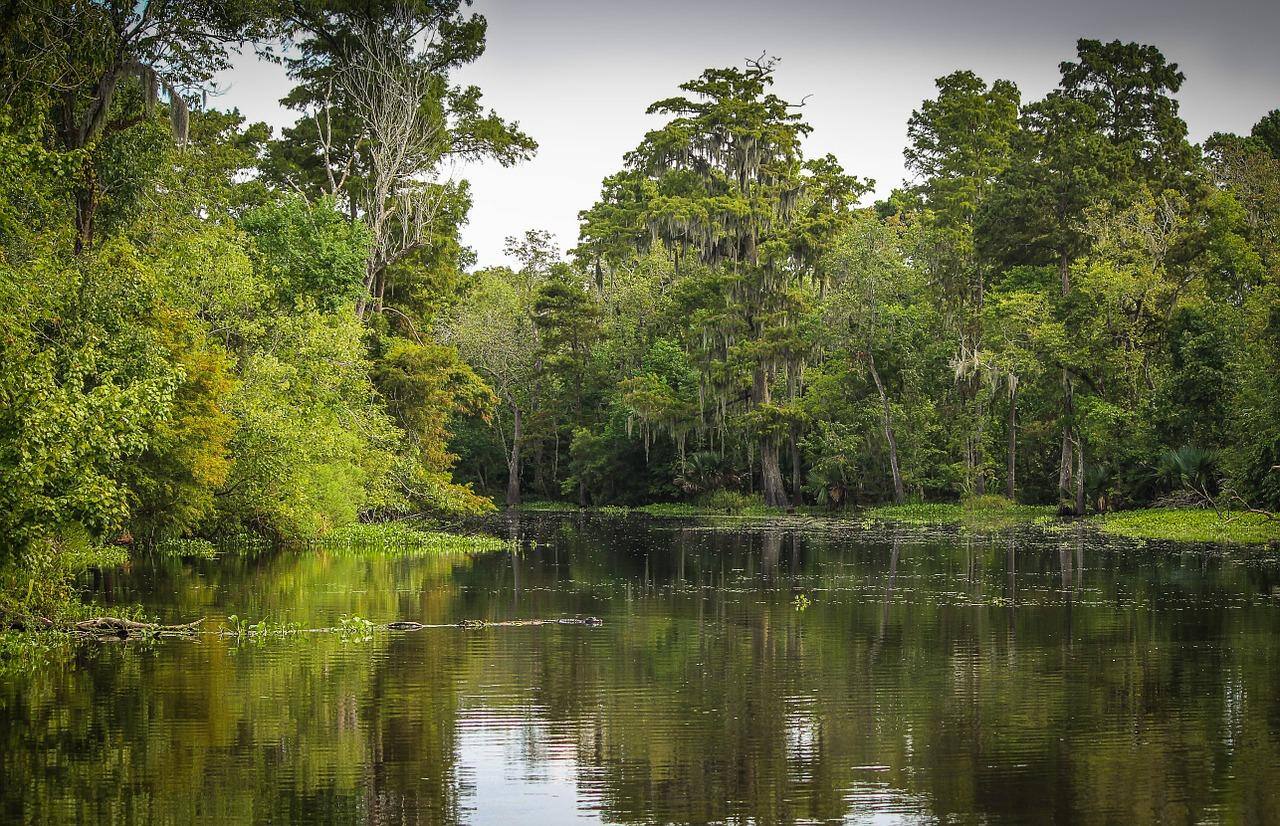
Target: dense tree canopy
x,y
208,328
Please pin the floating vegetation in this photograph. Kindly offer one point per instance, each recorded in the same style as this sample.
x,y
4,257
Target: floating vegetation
x,y
978,513
185,549
355,628
404,537
548,506
1192,525
242,628
720,503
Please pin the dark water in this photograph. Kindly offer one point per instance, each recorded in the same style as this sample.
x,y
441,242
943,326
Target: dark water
x,y
1030,676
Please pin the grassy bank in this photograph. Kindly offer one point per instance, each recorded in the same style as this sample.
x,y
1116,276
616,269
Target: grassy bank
x,y
1191,525
979,512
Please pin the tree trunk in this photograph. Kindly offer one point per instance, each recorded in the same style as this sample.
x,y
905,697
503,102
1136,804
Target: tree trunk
x,y
513,463
1080,508
1065,504
539,470
979,451
1011,476
797,493
775,493
86,208
886,418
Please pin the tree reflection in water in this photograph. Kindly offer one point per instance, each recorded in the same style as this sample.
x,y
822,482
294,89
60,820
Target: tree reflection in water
x,y
1012,677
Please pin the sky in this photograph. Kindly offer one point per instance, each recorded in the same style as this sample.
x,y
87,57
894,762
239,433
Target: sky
x,y
578,75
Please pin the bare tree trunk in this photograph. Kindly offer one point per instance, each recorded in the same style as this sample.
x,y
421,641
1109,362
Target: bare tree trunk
x,y
886,419
1011,476
979,450
366,296
1080,506
513,462
797,493
1065,503
1065,498
382,288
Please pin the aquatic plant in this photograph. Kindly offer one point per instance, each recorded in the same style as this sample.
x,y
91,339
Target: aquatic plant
x,y
1192,525
404,537
355,628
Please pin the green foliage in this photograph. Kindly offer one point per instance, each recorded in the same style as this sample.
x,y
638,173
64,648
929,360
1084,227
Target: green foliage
x,y
1189,466
38,583
355,628
87,383
242,629
309,254
837,453
196,548
314,444
425,386
718,503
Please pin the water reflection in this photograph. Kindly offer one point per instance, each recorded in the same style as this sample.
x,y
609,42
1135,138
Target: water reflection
x,y
1025,676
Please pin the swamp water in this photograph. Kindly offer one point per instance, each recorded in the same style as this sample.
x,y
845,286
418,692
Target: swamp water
x,y
745,672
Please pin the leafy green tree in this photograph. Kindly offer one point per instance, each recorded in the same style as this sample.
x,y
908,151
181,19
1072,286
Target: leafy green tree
x,y
426,386
87,386
95,70
495,332
726,179
877,305
568,321
314,447
1063,164
309,254
959,143
1131,87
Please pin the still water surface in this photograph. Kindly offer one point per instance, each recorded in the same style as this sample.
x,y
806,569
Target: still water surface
x,y
925,676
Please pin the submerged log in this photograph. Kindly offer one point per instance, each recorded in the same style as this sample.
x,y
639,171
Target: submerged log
x,y
118,627
107,628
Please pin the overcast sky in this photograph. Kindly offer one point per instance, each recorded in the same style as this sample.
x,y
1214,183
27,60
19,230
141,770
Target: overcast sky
x,y
578,75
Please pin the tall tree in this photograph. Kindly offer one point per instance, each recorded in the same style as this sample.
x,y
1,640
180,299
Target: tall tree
x,y
1062,165
958,143
875,305
568,320
495,331
1131,87
381,119
725,174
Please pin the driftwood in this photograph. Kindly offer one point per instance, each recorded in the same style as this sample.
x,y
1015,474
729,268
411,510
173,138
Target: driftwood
x,y
117,627
475,623
106,628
